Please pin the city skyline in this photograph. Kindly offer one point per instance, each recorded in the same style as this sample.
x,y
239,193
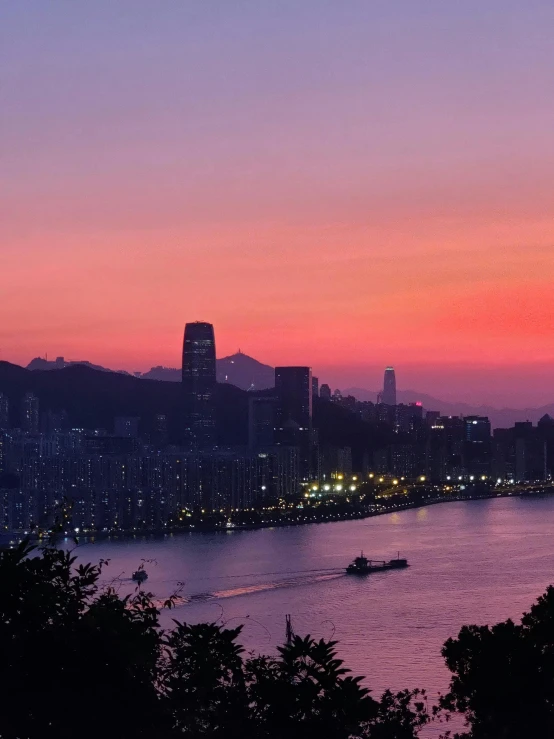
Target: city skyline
x,y
370,380
335,185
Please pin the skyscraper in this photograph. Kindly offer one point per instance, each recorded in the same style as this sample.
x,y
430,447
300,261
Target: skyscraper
x,y
199,385
294,393
477,445
29,414
293,386
389,387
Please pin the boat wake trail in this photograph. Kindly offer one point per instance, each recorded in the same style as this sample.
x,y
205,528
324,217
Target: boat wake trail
x,y
252,589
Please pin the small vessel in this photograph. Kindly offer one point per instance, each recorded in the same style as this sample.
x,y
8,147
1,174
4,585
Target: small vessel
x,y
139,576
363,566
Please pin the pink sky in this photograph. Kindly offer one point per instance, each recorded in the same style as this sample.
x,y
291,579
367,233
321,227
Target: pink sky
x,y
375,188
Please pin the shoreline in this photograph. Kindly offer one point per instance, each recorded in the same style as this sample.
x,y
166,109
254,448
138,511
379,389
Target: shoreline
x,y
355,516
323,519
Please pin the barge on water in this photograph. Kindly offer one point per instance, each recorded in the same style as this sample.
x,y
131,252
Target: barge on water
x,y
363,566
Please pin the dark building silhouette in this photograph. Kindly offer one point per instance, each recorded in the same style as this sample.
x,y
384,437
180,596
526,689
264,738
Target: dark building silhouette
x,y
52,422
389,387
477,445
444,454
199,381
4,413
30,414
409,417
325,392
160,435
261,422
127,426
294,394
293,386
315,387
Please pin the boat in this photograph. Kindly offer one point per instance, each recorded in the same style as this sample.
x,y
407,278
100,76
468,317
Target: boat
x,y
363,566
139,576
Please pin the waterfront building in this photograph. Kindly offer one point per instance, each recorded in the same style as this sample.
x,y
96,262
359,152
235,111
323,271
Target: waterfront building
x,y
477,446
444,451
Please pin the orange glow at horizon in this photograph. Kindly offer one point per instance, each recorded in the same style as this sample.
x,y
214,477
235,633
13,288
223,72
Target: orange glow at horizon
x,y
375,188
332,295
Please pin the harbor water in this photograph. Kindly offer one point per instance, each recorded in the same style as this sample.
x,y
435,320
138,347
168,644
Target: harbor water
x,y
470,562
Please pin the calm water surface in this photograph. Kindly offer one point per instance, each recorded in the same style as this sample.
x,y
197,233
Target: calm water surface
x,y
471,562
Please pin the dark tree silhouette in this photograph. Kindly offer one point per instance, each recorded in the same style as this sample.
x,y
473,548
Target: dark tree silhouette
x,y
79,660
503,676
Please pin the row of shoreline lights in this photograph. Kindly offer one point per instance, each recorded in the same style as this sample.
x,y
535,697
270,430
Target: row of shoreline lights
x,y
422,478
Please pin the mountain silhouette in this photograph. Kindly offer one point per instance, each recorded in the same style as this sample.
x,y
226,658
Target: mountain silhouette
x,y
92,398
247,373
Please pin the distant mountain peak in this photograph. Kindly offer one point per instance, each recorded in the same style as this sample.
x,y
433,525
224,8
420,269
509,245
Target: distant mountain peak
x,y
245,372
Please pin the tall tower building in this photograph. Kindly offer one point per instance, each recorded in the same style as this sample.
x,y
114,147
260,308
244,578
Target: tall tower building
x,y
294,393
293,387
29,414
199,385
389,387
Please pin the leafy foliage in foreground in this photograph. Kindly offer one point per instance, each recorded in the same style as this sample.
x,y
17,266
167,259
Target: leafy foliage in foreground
x,y
80,660
503,676
77,659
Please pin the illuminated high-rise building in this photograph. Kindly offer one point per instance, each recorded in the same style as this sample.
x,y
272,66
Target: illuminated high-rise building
x,y
199,385
389,387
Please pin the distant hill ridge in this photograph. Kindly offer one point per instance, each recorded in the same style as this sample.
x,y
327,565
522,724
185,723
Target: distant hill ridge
x,y
92,398
238,369
247,373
